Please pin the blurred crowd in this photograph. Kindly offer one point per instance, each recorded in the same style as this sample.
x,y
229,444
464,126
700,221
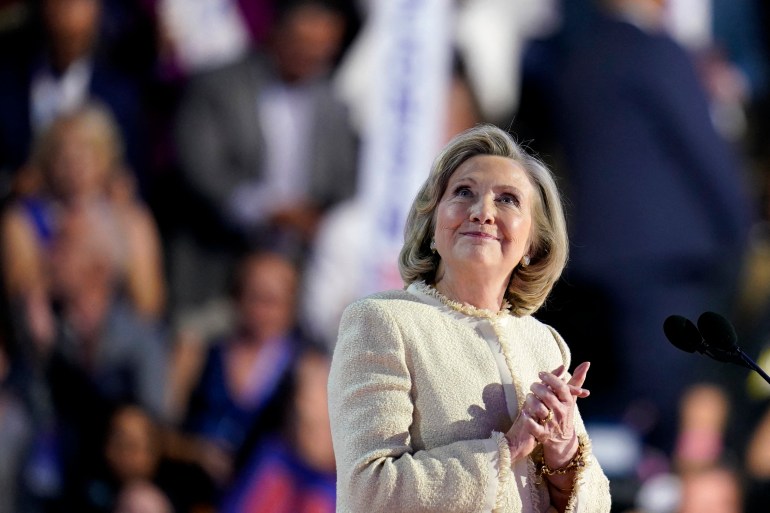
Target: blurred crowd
x,y
178,237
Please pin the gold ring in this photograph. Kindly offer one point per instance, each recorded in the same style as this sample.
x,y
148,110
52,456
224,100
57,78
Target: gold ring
x,y
547,418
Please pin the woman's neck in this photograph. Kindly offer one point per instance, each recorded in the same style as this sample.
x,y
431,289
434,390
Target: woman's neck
x,y
479,293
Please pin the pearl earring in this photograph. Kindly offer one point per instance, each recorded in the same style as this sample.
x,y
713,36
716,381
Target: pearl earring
x,y
525,260
433,245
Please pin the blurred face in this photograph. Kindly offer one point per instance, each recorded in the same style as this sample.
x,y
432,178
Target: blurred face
x,y
713,491
484,220
131,451
266,304
309,40
72,25
78,167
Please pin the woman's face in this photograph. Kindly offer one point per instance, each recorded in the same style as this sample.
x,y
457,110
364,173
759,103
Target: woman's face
x,y
78,167
484,219
267,301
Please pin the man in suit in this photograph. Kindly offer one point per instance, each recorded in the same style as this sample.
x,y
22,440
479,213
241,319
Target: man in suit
x,y
67,71
659,215
264,146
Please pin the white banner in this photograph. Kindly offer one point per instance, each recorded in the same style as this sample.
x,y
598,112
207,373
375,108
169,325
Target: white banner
x,y
405,130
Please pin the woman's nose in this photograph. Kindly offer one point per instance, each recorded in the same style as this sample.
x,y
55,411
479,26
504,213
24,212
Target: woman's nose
x,y
482,210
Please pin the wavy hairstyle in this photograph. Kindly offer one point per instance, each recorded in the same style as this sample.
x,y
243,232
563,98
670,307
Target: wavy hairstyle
x,y
529,286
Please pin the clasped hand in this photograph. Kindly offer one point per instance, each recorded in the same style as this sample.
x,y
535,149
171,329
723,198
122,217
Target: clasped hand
x,y
548,416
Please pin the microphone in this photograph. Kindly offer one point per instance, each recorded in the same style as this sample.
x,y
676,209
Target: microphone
x,y
683,334
714,337
720,337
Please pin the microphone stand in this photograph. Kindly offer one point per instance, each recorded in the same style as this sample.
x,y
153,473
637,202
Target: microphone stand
x,y
753,365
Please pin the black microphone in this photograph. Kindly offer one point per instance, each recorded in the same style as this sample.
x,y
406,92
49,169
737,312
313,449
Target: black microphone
x,y
683,334
715,337
721,339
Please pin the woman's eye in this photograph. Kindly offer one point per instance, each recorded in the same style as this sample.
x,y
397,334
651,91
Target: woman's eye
x,y
510,199
463,192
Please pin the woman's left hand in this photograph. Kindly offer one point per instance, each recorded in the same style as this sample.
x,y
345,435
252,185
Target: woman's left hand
x,y
552,403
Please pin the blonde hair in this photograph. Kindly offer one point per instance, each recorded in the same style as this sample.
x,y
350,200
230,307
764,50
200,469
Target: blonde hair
x,y
96,121
529,286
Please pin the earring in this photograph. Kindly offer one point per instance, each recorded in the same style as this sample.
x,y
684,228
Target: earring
x,y
433,245
525,260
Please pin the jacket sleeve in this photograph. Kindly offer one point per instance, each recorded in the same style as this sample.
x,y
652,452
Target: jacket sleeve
x,y
371,410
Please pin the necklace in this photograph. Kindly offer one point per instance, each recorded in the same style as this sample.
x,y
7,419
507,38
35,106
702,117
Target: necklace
x,y
495,320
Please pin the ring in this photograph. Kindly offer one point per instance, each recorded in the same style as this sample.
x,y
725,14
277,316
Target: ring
x,y
546,419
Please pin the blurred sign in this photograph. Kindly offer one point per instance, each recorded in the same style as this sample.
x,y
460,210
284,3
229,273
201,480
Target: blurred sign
x,y
413,68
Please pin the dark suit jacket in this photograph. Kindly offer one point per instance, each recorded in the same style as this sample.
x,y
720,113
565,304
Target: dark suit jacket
x,y
117,91
221,144
652,182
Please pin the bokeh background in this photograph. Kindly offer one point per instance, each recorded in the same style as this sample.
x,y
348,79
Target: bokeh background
x,y
186,206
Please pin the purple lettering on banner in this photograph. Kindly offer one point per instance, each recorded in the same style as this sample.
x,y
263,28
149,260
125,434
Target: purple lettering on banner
x,y
410,85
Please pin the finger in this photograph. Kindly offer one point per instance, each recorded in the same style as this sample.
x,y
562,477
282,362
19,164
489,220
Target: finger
x,y
535,406
549,397
531,424
571,390
579,376
559,371
533,427
557,385
579,391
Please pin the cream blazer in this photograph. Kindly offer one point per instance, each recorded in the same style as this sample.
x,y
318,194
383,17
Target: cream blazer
x,y
419,403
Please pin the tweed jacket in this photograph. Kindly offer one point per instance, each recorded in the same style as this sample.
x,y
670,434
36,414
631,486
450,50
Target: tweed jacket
x,y
418,411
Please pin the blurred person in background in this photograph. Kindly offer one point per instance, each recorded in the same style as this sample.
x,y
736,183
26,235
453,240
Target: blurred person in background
x,y
62,71
757,462
704,474
131,452
132,470
715,488
660,213
79,159
264,149
292,470
237,388
142,497
101,354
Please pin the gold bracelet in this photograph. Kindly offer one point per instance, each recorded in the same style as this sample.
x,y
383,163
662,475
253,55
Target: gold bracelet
x,y
577,461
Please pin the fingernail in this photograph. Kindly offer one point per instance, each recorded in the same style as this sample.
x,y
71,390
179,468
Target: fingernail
x,y
541,375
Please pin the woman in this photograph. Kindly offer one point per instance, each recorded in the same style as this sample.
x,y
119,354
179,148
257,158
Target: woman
x,y
448,396
80,158
239,392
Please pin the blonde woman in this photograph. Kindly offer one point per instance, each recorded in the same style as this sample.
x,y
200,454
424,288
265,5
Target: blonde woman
x,y
80,160
449,396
